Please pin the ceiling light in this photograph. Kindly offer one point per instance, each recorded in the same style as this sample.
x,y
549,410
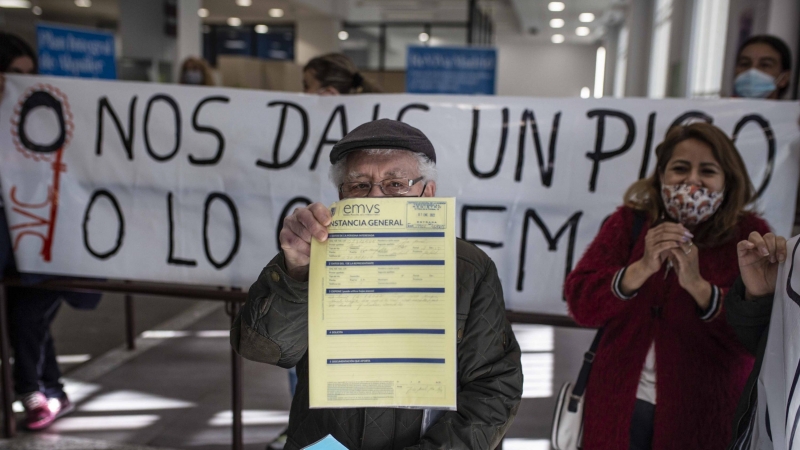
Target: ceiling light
x,y
343,35
37,11
586,17
557,38
586,92
202,12
83,3
555,6
424,37
234,21
582,31
276,12
244,2
262,29
15,4
556,23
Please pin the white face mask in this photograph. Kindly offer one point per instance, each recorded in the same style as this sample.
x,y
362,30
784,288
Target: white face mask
x,y
193,76
690,204
753,83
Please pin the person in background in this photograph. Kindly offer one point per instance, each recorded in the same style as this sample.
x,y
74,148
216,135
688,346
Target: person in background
x,y
763,68
195,71
37,378
335,74
669,369
331,74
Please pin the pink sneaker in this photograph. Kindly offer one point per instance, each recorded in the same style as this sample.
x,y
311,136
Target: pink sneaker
x,y
38,414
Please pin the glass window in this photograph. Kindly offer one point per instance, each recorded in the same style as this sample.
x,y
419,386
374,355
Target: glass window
x,y
397,41
233,41
448,36
363,42
659,51
363,46
276,43
709,31
621,63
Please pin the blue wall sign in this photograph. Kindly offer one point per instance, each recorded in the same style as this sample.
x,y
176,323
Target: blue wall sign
x,y
234,41
451,70
76,52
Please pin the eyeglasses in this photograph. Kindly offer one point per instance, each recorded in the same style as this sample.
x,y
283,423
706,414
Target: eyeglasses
x,y
392,187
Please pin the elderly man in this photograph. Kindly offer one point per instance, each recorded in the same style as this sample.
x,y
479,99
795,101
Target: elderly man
x,y
377,159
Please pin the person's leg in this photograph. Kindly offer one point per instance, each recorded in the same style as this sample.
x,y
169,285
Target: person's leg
x,y
30,315
50,374
642,426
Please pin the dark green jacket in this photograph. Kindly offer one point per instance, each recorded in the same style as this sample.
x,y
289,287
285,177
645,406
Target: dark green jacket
x,y
272,328
750,321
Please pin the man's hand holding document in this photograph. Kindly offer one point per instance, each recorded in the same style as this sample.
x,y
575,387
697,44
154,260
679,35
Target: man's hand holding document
x,y
382,305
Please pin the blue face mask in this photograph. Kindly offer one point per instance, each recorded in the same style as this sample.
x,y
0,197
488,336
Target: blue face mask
x,y
754,83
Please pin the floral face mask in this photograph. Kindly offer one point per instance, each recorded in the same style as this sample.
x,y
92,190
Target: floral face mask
x,y
690,204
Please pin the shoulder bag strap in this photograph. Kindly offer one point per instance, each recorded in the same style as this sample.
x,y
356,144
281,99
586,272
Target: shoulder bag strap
x,y
588,357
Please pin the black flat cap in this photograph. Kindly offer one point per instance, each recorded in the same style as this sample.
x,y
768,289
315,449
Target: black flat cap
x,y
383,133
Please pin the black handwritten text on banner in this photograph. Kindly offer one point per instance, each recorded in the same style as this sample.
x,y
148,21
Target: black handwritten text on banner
x,y
189,185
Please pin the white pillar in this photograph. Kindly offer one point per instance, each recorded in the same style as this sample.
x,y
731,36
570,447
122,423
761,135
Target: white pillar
x,y
189,33
611,43
680,47
640,29
783,20
141,29
315,37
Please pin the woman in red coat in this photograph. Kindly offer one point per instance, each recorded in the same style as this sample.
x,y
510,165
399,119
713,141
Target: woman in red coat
x,y
668,370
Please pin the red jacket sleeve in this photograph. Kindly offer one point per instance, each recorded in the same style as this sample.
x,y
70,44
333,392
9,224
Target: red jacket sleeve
x,y
590,298
748,223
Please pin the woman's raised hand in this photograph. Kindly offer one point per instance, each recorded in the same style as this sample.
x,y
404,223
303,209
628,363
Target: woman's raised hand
x,y
759,257
658,243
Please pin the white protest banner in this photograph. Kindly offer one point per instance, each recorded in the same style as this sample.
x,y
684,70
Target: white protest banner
x,y
774,425
190,185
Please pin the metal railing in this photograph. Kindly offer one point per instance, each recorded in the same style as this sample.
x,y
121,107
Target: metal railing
x,y
233,298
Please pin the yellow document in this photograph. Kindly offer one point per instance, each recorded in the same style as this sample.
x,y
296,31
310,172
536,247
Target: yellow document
x,y
382,305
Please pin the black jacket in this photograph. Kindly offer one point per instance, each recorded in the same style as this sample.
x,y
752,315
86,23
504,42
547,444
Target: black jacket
x,y
273,328
750,321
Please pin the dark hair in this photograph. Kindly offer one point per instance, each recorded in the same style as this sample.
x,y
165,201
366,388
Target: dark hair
x,y
645,195
338,71
11,48
778,45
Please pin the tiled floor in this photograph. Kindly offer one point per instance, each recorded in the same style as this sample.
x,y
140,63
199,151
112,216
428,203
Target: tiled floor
x,y
54,441
174,391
